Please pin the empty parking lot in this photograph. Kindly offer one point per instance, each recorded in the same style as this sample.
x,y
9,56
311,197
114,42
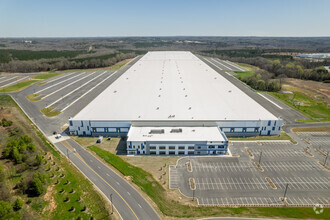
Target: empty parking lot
x,y
228,181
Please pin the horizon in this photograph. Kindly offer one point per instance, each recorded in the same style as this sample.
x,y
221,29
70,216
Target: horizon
x,y
145,18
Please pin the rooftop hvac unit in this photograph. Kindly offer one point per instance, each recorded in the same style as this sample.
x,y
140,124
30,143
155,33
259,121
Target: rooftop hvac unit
x,y
157,131
176,130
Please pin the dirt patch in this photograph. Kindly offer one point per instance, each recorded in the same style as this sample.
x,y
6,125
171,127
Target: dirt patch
x,y
313,88
271,183
49,197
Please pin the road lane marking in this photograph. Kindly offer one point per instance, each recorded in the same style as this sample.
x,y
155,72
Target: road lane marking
x,y
64,75
48,87
270,101
222,64
117,183
15,81
67,85
128,193
87,92
82,160
140,205
234,65
107,174
9,79
76,89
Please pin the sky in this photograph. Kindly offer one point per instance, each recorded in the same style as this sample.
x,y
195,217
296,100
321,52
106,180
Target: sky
x,y
108,18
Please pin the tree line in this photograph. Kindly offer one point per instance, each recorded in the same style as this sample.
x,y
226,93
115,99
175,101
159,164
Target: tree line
x,y
61,63
300,69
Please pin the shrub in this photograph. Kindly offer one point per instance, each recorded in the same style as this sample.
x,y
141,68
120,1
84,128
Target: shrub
x,y
38,160
37,187
18,204
4,208
2,174
16,156
31,147
6,123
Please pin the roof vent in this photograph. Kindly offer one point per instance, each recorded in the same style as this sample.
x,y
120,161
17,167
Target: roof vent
x,y
156,131
186,96
176,130
115,91
229,91
157,108
189,108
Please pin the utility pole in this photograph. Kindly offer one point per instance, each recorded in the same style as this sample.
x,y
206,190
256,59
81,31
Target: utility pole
x,y
111,203
286,189
193,195
67,153
260,157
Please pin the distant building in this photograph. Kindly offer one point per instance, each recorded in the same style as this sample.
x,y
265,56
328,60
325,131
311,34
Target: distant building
x,y
174,103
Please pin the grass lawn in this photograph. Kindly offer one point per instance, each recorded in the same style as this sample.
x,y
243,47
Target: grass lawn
x,y
312,129
244,74
49,112
282,136
316,109
172,208
33,97
18,87
60,174
46,75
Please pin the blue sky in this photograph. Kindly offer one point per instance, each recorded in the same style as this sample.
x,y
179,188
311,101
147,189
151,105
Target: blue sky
x,y
87,18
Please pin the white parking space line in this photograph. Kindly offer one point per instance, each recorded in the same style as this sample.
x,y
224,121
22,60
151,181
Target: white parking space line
x,y
87,92
21,79
234,65
64,75
48,87
270,100
223,64
67,85
9,79
77,89
213,64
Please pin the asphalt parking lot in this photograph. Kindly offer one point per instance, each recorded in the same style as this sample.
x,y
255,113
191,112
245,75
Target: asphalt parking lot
x,y
12,79
237,181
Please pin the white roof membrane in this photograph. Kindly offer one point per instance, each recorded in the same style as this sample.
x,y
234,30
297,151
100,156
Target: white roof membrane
x,y
172,85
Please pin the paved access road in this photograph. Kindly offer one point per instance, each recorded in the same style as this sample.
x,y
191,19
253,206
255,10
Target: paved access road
x,y
69,93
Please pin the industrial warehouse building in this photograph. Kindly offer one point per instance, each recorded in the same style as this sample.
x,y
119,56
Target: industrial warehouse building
x,y
173,103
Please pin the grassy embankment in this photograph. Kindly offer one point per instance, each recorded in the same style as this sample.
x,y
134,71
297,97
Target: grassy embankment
x,y
67,193
169,207
316,109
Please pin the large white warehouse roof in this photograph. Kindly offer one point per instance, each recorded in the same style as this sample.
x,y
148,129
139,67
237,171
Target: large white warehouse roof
x,y
172,86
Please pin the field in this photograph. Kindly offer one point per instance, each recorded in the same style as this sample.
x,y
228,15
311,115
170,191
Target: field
x,y
307,101
66,192
312,129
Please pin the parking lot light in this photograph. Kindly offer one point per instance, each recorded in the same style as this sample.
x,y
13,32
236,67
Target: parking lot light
x,y
260,157
286,189
325,160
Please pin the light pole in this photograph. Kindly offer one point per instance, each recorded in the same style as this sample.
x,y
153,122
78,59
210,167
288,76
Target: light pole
x,y
111,203
193,191
286,189
260,157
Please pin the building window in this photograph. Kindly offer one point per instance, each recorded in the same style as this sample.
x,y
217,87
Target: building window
x,y
70,123
222,146
181,147
273,129
152,148
181,152
256,130
171,147
171,152
199,147
191,148
153,153
82,124
211,146
274,123
191,152
269,123
162,152
134,146
244,129
279,128
232,130
162,148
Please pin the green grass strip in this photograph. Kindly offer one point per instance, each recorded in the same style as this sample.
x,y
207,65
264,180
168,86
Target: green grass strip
x,y
49,112
18,87
156,192
46,76
282,136
33,97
